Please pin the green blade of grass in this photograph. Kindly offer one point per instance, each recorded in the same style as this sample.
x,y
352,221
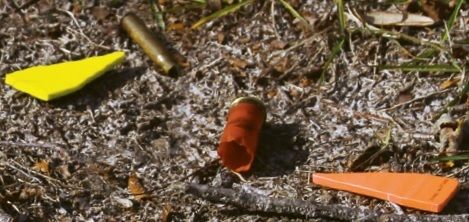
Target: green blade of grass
x,y
451,20
220,13
203,2
398,2
335,51
157,14
452,158
341,15
464,91
400,36
428,53
421,68
293,12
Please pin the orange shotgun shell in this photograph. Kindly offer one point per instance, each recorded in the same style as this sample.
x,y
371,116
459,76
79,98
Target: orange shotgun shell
x,y
420,191
238,143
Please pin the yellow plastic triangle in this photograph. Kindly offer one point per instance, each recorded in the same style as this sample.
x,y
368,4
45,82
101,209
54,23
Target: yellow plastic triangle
x,y
53,81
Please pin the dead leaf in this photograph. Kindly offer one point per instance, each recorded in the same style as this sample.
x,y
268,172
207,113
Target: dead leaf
x,y
452,3
177,26
256,46
397,18
239,63
100,13
445,128
430,9
30,192
280,65
76,8
63,171
304,82
294,93
272,93
214,4
453,137
135,188
404,97
42,166
436,9
278,44
166,215
450,83
220,38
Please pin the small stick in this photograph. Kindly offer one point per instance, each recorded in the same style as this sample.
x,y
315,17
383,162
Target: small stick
x,y
257,202
300,43
22,171
272,17
415,99
301,208
459,171
70,14
21,144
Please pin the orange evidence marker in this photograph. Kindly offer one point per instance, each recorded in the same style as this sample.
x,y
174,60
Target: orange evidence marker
x,y
420,191
238,143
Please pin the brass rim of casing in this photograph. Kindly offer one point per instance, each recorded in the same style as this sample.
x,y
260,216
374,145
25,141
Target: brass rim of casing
x,y
253,100
155,49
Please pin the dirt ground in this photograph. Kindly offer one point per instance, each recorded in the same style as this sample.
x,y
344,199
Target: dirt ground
x,y
71,159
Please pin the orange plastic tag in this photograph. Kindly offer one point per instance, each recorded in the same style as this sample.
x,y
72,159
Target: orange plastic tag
x,y
420,191
238,143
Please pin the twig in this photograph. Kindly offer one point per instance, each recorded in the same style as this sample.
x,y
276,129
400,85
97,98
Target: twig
x,y
55,182
257,202
178,183
80,31
22,171
287,72
415,99
48,178
239,176
272,17
459,171
21,144
300,208
425,217
300,43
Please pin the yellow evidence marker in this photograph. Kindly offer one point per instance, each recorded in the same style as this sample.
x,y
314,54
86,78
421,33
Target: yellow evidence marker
x,y
56,80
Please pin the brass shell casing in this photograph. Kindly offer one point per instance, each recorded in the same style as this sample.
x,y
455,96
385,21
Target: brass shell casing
x,y
240,137
149,42
250,99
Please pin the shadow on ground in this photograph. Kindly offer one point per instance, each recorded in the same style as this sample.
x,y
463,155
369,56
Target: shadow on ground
x,y
280,150
236,212
98,90
459,204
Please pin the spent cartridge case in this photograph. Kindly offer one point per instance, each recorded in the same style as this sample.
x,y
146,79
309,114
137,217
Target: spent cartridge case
x,y
149,42
238,143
